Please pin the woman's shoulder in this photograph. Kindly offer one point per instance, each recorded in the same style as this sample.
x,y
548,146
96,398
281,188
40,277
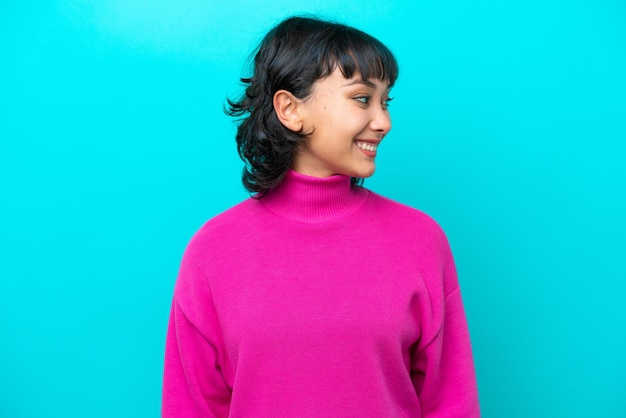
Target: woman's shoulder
x,y
393,212
418,235
230,221
233,223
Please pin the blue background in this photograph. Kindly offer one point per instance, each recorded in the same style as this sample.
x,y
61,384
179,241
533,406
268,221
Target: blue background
x,y
509,129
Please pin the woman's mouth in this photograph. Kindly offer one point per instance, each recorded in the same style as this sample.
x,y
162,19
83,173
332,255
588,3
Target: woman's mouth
x,y
368,148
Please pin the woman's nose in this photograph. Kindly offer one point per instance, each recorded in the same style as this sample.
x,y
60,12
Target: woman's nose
x,y
381,121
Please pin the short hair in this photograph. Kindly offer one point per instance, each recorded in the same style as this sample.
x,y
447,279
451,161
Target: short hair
x,y
292,56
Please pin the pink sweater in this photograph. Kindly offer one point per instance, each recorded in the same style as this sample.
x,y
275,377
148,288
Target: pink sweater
x,y
318,300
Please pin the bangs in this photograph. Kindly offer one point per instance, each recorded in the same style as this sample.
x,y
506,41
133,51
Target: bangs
x,y
354,52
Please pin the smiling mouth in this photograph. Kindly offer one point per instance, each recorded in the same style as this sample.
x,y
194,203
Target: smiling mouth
x,y
367,146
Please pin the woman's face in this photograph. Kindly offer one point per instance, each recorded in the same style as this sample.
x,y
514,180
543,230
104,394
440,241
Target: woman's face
x,y
347,118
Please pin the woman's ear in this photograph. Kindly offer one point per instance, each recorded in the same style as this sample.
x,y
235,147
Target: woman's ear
x,y
287,108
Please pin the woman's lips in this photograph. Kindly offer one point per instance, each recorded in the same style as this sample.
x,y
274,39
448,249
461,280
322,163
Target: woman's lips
x,y
368,148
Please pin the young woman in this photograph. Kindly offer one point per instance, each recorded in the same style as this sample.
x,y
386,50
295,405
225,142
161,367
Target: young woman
x,y
317,297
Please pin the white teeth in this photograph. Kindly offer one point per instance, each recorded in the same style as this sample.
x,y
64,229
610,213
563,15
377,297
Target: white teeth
x,y
367,146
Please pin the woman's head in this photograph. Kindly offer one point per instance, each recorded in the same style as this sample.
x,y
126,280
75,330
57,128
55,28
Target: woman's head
x,y
291,58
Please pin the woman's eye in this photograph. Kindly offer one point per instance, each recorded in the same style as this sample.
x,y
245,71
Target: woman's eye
x,y
362,99
387,102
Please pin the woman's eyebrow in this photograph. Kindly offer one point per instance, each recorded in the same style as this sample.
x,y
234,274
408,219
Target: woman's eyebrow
x,y
361,81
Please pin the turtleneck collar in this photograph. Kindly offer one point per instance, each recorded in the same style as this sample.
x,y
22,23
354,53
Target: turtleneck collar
x,y
313,200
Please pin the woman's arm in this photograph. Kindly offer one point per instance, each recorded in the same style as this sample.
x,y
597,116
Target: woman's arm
x,y
443,370
192,381
193,378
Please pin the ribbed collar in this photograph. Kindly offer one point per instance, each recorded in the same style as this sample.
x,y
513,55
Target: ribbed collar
x,y
313,200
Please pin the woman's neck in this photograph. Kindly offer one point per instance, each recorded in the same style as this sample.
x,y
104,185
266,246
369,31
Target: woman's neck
x,y
308,199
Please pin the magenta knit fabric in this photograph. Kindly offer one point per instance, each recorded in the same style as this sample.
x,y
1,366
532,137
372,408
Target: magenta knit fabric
x,y
318,300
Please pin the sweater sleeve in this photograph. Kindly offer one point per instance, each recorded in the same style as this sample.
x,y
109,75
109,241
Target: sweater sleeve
x,y
193,378
443,371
